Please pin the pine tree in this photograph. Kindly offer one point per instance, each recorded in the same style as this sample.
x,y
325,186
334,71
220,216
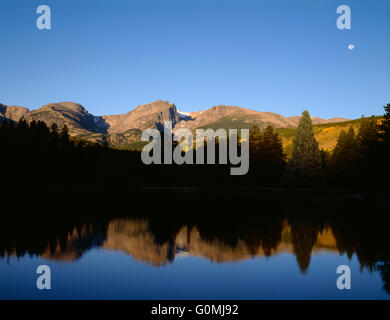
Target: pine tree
x,y
343,159
385,147
11,124
254,143
3,130
306,158
64,135
22,124
369,160
54,135
4,123
271,150
385,127
368,138
54,129
266,155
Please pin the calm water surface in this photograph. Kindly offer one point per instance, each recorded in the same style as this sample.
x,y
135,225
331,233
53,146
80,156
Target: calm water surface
x,y
267,251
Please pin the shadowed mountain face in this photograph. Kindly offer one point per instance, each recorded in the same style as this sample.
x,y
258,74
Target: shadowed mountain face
x,y
146,116
123,129
75,116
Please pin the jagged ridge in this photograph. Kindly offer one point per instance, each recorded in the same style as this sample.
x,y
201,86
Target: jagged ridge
x,y
123,129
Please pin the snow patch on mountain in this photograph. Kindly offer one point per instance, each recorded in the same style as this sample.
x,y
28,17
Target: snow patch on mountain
x,y
184,115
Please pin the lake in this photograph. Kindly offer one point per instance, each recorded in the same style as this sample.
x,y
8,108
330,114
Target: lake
x,y
195,246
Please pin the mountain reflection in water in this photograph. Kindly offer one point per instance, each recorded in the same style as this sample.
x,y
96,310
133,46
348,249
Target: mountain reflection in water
x,y
134,237
265,229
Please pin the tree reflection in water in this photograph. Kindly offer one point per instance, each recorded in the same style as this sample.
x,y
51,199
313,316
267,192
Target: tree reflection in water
x,y
221,229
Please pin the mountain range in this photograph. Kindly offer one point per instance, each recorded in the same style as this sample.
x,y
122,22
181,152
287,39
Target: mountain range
x,y
122,130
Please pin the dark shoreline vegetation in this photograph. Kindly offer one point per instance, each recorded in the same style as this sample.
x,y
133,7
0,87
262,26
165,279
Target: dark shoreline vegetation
x,y
35,157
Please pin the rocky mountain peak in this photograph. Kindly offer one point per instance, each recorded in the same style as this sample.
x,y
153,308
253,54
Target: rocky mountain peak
x,y
66,107
14,113
151,115
73,115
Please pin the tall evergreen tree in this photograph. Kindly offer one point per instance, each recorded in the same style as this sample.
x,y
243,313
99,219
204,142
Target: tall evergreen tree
x,y
385,147
368,138
266,155
3,130
54,129
23,125
11,124
64,134
306,160
271,150
254,143
385,126
4,124
369,161
343,159
54,135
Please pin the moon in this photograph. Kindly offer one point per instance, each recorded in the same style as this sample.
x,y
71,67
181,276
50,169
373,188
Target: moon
x,y
351,46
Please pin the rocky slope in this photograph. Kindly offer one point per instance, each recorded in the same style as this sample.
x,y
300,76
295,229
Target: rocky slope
x,y
13,113
232,116
145,116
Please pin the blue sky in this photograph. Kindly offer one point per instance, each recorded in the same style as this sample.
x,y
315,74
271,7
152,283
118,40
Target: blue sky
x,y
281,55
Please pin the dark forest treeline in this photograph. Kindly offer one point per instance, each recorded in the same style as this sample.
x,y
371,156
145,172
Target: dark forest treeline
x,y
35,157
360,159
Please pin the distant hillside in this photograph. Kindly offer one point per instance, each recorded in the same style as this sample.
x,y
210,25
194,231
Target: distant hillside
x,y
325,134
316,120
234,117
